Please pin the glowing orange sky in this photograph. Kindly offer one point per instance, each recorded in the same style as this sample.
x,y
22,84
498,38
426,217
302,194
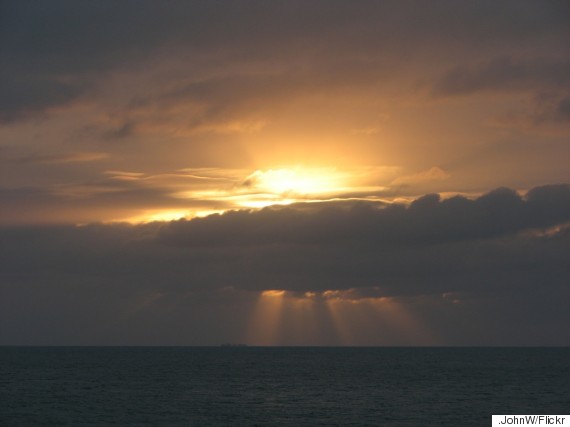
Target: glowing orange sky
x,y
196,128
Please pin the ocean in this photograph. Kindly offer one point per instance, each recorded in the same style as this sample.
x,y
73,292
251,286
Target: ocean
x,y
273,386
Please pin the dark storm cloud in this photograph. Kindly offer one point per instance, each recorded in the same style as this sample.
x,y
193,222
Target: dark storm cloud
x,y
430,246
428,220
466,266
55,53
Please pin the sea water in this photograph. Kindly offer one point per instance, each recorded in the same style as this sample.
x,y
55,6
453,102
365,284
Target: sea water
x,y
182,386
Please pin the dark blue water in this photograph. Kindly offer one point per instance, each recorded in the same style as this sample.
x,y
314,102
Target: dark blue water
x,y
279,386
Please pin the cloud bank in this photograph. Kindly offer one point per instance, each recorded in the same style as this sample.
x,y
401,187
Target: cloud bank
x,y
500,255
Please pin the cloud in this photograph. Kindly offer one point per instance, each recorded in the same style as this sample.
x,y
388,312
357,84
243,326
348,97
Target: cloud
x,y
544,81
25,97
138,196
467,259
78,157
548,112
57,54
333,247
115,199
433,174
505,74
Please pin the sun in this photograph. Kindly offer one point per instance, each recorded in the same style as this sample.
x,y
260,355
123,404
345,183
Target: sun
x,y
215,192
294,181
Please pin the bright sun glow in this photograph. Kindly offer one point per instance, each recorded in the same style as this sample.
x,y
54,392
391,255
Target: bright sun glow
x,y
273,293
238,189
167,215
295,181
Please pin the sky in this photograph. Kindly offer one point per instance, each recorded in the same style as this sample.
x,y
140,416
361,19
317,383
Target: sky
x,y
369,173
